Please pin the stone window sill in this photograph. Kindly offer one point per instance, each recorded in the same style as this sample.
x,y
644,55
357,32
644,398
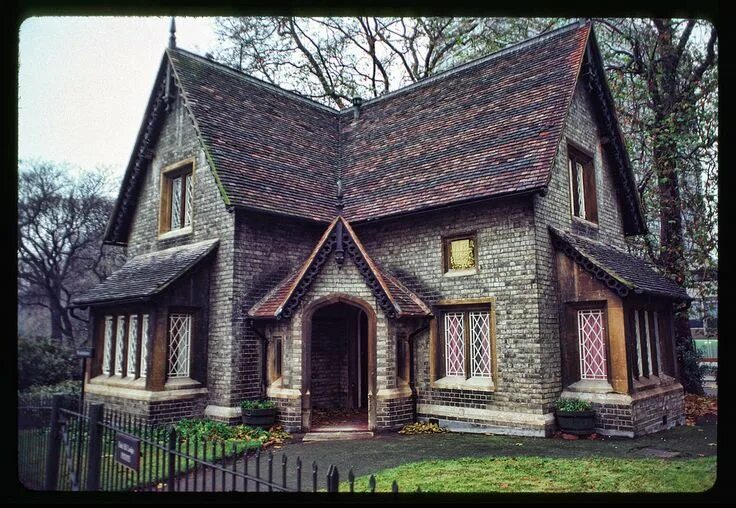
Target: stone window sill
x,y
585,222
483,384
591,386
644,383
461,273
118,381
175,233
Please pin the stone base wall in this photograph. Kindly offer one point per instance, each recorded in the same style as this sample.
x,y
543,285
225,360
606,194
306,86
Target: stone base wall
x,y
488,421
156,412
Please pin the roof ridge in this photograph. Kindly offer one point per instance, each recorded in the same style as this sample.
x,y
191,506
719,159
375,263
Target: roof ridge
x,y
429,79
255,80
477,61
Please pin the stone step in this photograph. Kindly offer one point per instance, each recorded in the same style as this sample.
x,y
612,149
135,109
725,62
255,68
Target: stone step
x,y
336,436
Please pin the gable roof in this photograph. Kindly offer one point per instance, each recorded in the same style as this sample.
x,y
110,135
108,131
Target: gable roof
x,y
147,275
485,129
395,298
619,270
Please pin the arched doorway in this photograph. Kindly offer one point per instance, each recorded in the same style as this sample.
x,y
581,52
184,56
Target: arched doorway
x,y
339,365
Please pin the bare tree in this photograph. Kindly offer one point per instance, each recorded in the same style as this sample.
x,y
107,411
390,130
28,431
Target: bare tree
x,y
664,76
334,59
61,222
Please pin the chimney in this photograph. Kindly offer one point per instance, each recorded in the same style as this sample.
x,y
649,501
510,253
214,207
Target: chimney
x,y
357,101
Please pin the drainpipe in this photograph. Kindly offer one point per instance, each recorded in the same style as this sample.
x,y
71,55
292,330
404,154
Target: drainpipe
x,y
264,341
412,376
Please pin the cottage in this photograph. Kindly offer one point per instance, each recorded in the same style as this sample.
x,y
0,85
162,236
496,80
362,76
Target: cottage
x,y
452,250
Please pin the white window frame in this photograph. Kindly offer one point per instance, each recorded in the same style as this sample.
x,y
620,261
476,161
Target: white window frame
x,y
107,346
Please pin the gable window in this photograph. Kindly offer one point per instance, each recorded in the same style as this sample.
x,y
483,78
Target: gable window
x,y
459,254
176,198
180,339
583,201
465,352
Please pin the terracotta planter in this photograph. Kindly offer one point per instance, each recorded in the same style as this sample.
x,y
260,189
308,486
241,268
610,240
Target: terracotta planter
x,y
263,418
579,423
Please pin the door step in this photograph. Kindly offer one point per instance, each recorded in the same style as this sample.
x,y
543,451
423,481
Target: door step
x,y
336,436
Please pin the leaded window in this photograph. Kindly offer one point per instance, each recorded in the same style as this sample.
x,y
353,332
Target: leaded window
x,y
144,345
592,342
180,332
467,345
132,344
583,201
119,343
107,347
176,198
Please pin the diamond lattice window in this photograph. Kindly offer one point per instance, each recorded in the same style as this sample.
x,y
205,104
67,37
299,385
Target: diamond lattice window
x,y
107,347
455,344
119,353
592,344
177,197
144,345
176,203
180,328
132,344
480,344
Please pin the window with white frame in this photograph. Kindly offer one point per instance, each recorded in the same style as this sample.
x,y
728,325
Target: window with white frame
x,y
119,344
132,344
592,344
107,347
466,343
180,335
583,201
176,198
645,338
144,346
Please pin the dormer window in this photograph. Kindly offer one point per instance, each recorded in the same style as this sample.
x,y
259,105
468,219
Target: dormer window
x,y
583,202
176,198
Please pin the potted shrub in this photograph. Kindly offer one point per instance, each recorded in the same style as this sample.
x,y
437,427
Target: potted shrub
x,y
258,413
575,416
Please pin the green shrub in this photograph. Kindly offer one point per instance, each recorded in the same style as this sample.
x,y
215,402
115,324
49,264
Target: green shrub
x,y
257,404
43,362
68,387
572,405
219,431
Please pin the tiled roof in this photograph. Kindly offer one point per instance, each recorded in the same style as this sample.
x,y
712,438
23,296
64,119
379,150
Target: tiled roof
x,y
146,275
625,272
486,129
393,293
271,150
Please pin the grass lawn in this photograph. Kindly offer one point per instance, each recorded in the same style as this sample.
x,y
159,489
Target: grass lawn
x,y
537,474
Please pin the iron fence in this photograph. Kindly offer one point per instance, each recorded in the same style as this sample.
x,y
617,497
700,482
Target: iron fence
x,y
94,448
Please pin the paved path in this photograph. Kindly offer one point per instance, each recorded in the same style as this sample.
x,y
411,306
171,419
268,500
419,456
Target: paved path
x,y
390,450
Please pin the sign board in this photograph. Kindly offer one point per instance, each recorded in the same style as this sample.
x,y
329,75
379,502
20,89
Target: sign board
x,y
128,451
85,352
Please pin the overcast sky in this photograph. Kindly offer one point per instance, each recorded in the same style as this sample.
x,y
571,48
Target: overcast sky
x,y
84,83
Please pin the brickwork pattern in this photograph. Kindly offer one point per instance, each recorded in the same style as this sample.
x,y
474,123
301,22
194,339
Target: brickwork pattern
x,y
554,209
178,142
155,412
393,413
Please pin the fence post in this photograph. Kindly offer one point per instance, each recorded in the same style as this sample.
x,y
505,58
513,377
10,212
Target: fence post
x,y
333,479
54,446
172,459
94,447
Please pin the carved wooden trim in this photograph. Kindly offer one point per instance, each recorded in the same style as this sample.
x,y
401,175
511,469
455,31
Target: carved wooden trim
x,y
596,85
586,264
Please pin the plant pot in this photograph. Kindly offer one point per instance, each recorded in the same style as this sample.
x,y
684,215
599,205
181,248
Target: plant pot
x,y
579,423
263,418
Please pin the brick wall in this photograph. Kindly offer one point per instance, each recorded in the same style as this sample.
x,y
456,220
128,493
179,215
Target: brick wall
x,y
156,412
554,209
178,142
